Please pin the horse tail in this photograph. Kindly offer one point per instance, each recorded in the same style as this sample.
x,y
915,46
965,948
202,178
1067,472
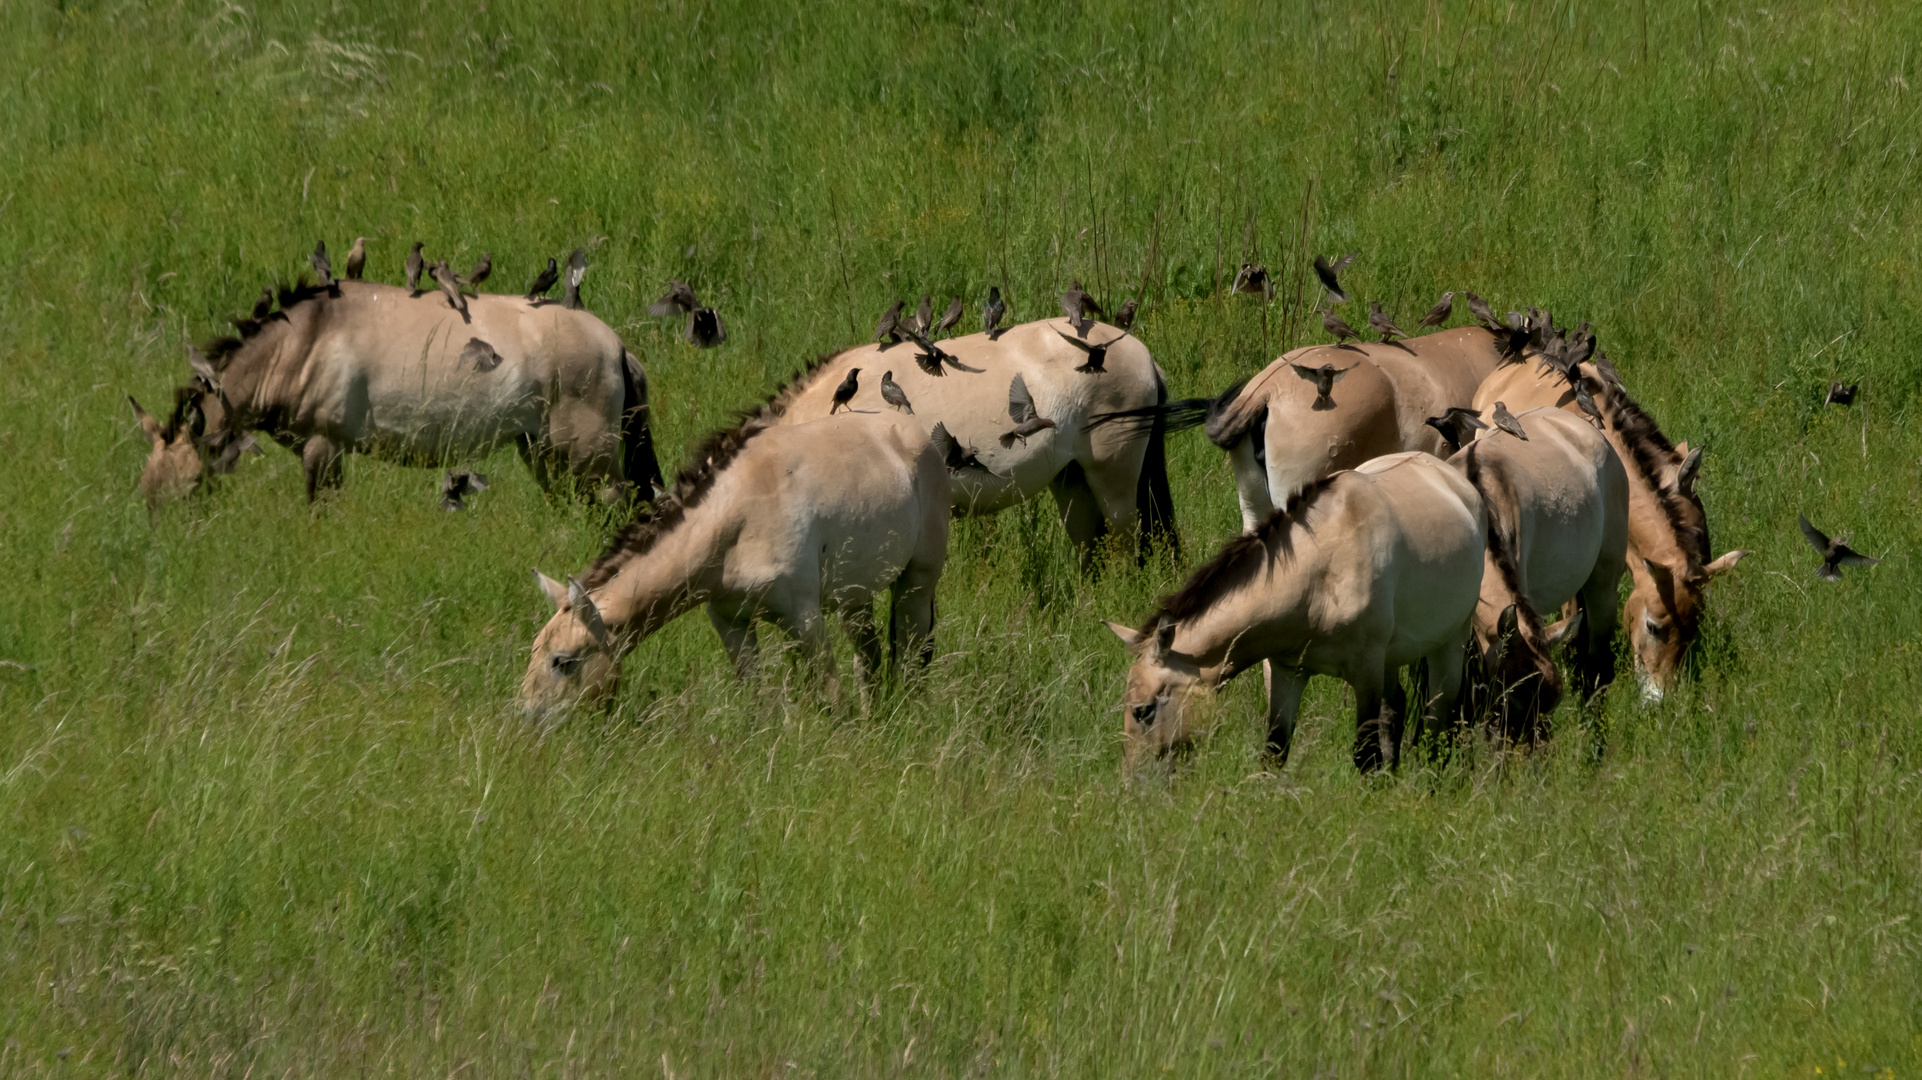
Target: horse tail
x,y
639,466
1154,501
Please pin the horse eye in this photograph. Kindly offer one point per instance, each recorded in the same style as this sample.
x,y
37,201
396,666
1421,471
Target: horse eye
x,y
566,663
1145,713
1655,629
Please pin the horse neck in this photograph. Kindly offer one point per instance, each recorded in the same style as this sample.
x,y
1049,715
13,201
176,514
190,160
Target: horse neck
x,y
674,576
263,375
1267,617
1651,531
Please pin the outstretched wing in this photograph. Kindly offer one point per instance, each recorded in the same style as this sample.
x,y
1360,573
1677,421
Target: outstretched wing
x,y
1813,535
1343,262
1311,374
1076,342
1020,402
1336,376
1848,556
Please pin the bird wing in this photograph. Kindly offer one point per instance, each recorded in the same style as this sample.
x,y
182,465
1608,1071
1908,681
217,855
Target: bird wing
x,y
1816,538
1076,342
1020,402
1313,375
1848,556
668,304
1336,376
1343,262
953,316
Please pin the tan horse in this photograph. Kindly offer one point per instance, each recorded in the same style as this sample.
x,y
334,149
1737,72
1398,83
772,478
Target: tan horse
x,y
1557,508
369,368
770,522
1363,573
1669,563
1103,479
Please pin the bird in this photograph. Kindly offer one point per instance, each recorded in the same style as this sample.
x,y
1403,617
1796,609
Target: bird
x,y
957,456
1254,279
704,328
1585,401
1329,273
930,355
415,265
322,264
479,273
889,328
543,282
1438,314
1021,410
844,393
1608,371
1097,354
264,306
480,356
1332,323
992,311
576,270
892,394
1835,553
1324,377
1482,312
953,317
356,258
1455,425
450,285
1079,305
1506,421
679,299
458,484
1839,394
1125,318
1383,325
923,316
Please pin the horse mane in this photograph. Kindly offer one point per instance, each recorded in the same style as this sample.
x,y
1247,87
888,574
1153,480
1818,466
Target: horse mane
x,y
1501,548
695,480
1240,559
1649,452
221,350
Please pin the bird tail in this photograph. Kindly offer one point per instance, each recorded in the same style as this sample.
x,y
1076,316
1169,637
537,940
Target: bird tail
x,y
638,463
1154,501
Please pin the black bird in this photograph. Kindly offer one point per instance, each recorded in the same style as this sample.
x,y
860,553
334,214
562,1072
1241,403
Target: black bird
x,y
1254,279
415,266
957,456
1022,411
992,311
1835,554
1584,400
479,273
480,356
356,258
544,282
1439,314
677,300
1079,306
264,306
891,393
576,270
1332,323
1383,325
1839,394
1324,377
844,393
322,264
1125,318
953,318
1608,370
1482,312
1455,425
704,328
923,320
450,285
1506,421
928,355
457,485
889,328
1329,273
1097,354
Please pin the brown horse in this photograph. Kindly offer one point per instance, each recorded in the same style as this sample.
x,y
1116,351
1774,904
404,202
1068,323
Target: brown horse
x,y
364,367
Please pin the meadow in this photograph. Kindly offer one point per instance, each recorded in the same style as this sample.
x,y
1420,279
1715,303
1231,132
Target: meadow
x,y
267,809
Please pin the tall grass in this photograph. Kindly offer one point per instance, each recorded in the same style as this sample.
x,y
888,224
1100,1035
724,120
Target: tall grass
x,y
265,808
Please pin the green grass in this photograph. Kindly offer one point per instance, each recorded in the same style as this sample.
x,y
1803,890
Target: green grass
x,y
265,807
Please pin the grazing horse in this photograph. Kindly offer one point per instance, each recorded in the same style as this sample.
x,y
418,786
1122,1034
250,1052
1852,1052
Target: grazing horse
x,y
770,522
1557,509
371,368
1362,573
1103,479
1669,563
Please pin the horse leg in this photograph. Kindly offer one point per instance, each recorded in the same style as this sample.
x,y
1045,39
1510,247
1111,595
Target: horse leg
x,y
1442,672
1115,481
1595,638
1080,512
536,457
857,618
1394,715
911,615
737,634
1284,702
1251,481
1371,741
320,458
810,629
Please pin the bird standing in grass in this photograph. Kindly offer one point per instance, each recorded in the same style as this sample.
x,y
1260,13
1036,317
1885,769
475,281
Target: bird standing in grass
x,y
576,270
450,285
1455,426
1324,377
1506,421
1840,394
1439,314
891,393
1383,325
356,258
416,265
457,485
1330,275
889,328
992,311
544,281
1835,553
845,392
1333,323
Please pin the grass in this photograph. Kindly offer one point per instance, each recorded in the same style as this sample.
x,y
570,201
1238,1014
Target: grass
x,y
265,807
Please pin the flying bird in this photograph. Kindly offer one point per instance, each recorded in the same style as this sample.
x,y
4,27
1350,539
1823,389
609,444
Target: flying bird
x,y
923,316
1330,274
1254,279
677,300
953,317
1324,377
450,285
356,258
1383,325
992,311
479,273
576,270
1455,426
415,267
892,394
1097,354
264,306
704,328
1333,323
928,355
479,355
844,393
1021,410
957,456
1482,312
889,328
1079,306
544,281
322,264
1125,318
1439,314
457,485
1506,421
1835,553
1839,394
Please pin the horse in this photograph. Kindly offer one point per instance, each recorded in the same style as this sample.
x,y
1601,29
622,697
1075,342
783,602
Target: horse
x,y
1557,507
1669,561
359,366
1360,574
1103,480
770,522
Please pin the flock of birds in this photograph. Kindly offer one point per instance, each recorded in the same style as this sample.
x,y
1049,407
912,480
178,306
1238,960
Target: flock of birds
x,y
456,287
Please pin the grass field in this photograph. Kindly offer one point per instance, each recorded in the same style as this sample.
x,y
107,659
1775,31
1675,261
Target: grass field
x,y
265,806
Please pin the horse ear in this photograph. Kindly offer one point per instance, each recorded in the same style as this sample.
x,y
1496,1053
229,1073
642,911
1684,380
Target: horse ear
x,y
1564,633
1509,623
555,591
1164,637
147,423
1685,474
1682,448
585,610
1726,563
1129,637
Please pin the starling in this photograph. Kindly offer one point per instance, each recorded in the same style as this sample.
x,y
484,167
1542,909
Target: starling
x,y
479,355
1608,370
1839,394
953,317
1329,273
1506,421
1482,312
1455,425
1125,318
930,355
356,258
1079,306
458,484
1023,430
1021,410
1254,279
415,266
1439,314
844,393
1383,325
576,270
923,315
1835,554
479,273
322,264
1324,377
1334,325
543,282
957,456
677,300
889,328
1097,354
891,393
264,306
992,311
450,285
704,328
1584,400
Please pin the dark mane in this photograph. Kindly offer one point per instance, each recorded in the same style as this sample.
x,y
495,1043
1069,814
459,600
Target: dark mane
x,y
1240,560
222,349
1651,452
1501,548
692,484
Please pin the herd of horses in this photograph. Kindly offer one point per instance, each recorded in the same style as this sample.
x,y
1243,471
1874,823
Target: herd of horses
x,y
1377,537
